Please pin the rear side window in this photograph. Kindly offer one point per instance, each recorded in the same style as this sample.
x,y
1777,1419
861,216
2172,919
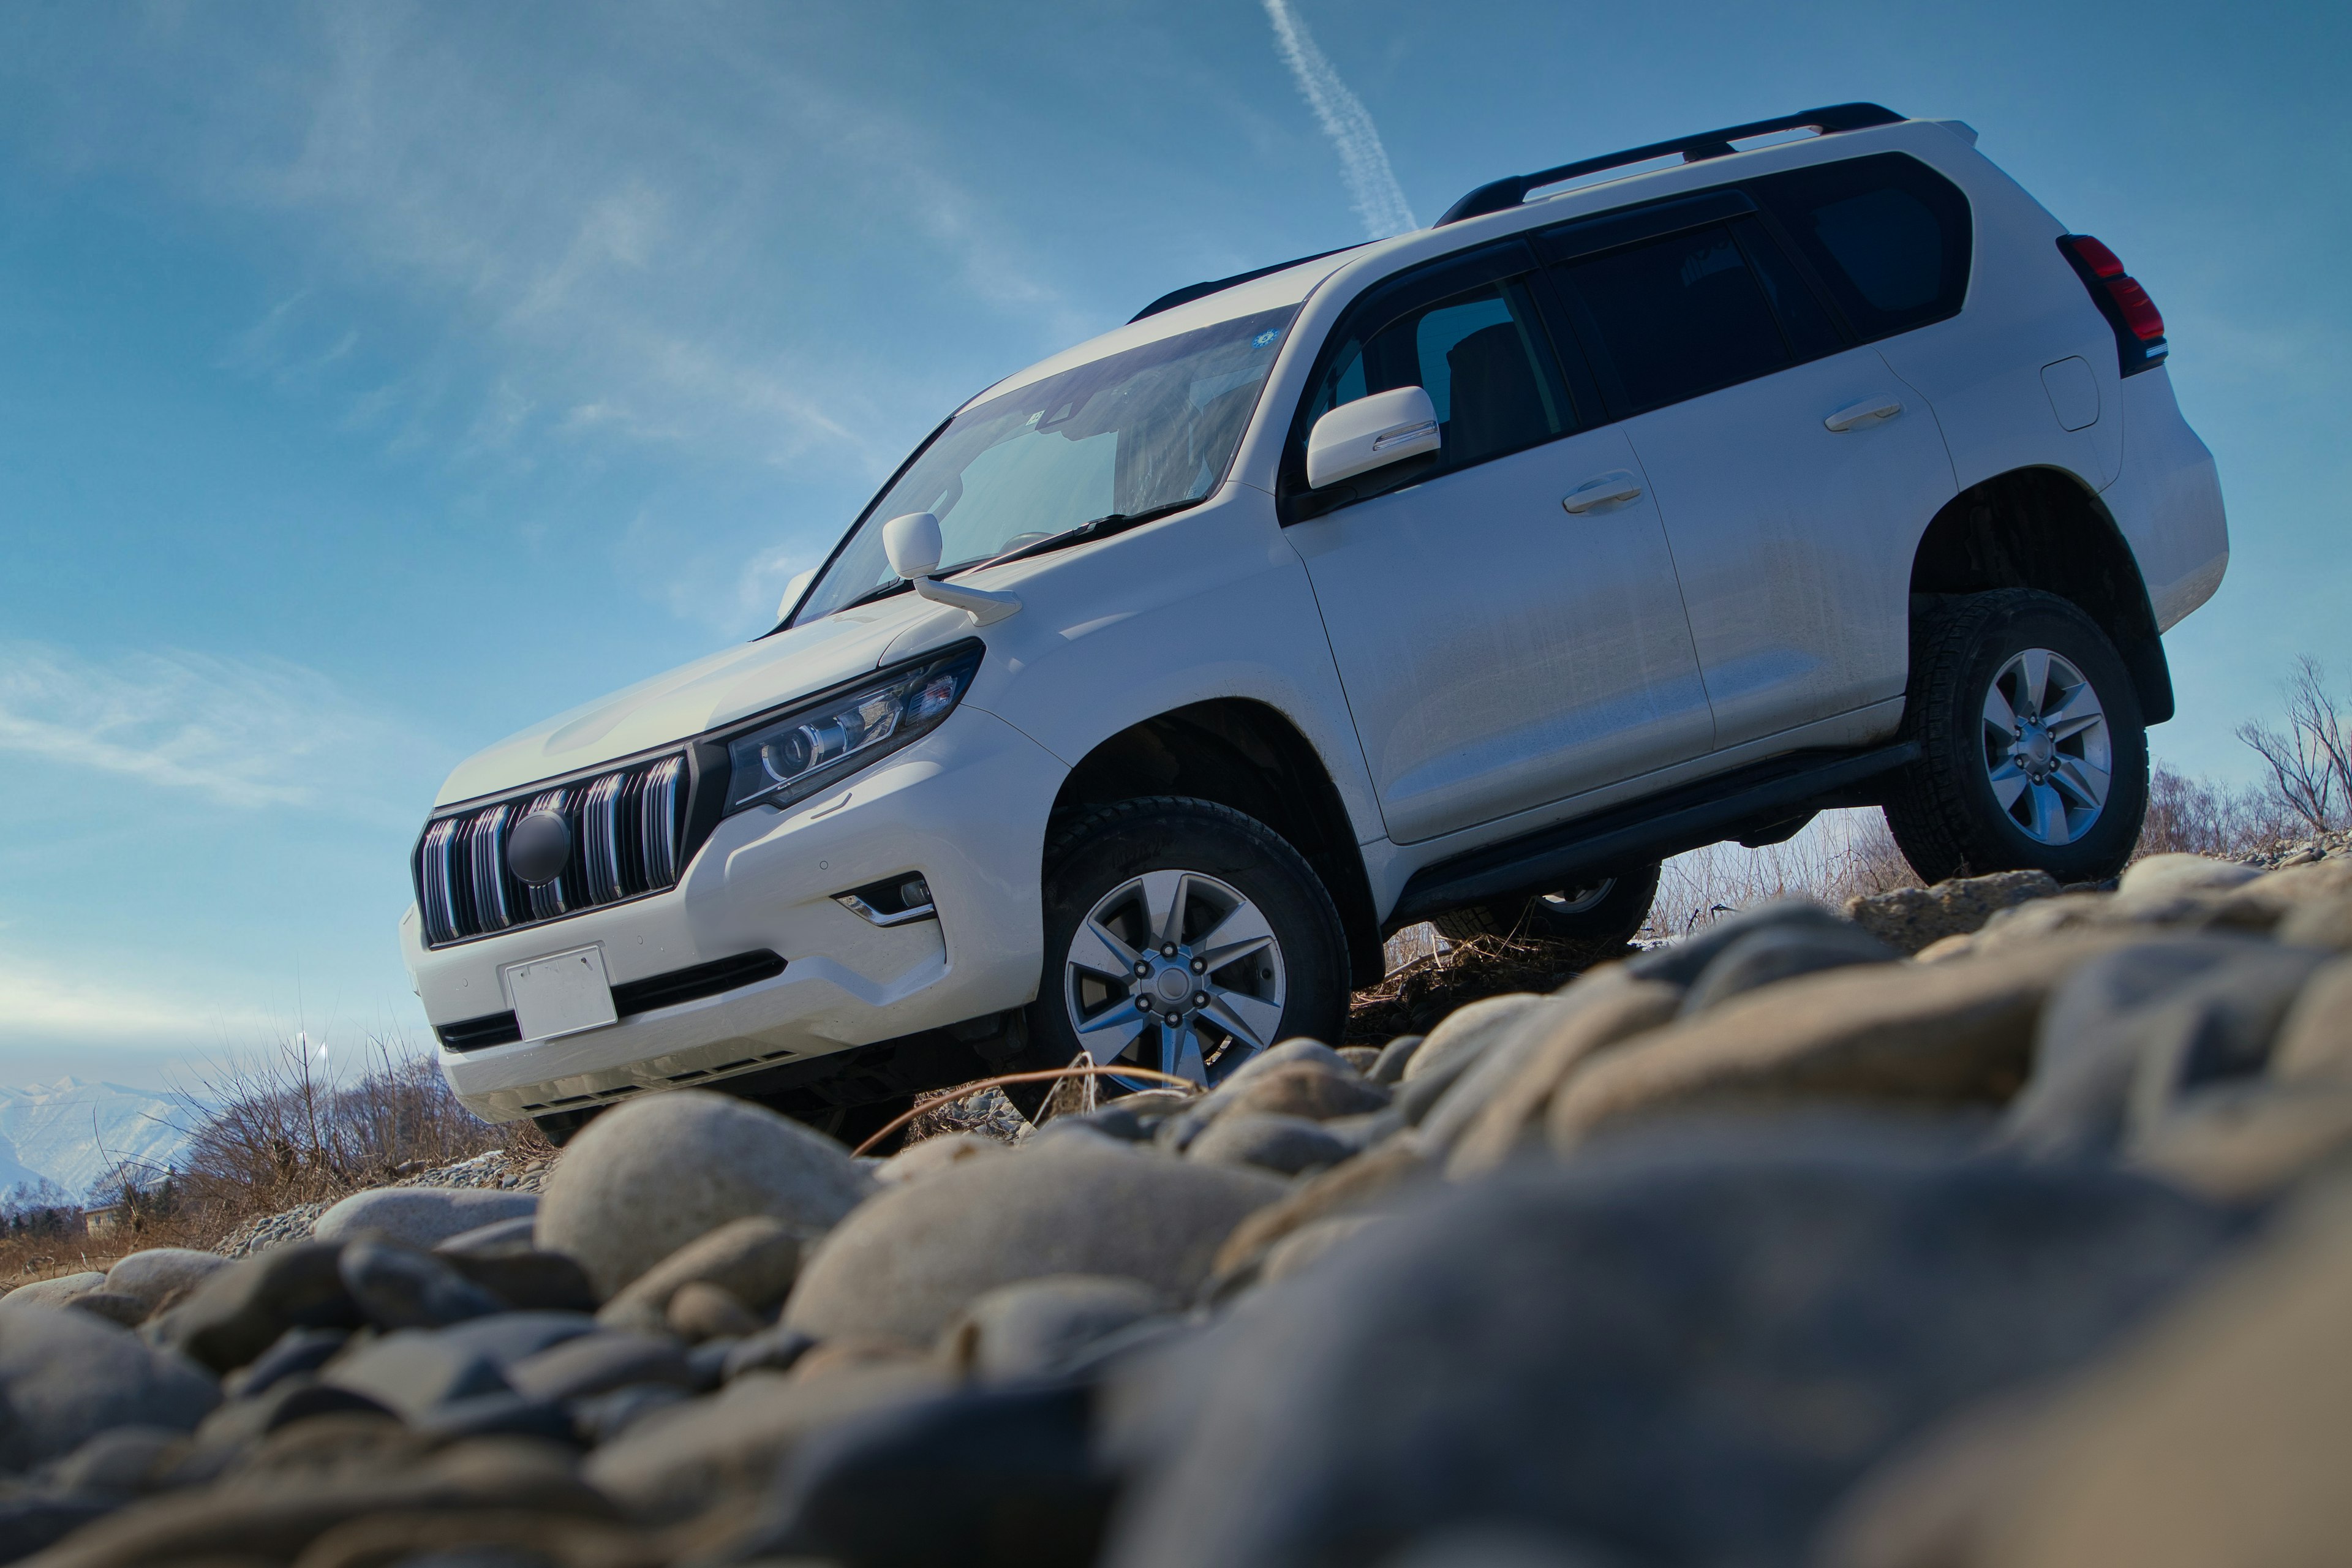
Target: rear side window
x,y
1888,234
1677,316
1483,361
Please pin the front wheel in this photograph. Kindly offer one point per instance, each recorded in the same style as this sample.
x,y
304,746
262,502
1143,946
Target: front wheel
x,y
1183,937
2032,754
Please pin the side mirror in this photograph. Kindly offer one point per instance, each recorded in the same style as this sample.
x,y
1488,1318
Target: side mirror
x,y
1370,433
912,544
793,592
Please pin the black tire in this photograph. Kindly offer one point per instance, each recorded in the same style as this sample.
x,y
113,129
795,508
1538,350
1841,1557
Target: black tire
x,y
1609,914
1099,848
1945,813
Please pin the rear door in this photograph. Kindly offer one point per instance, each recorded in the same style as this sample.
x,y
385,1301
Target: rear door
x,y
1794,470
1499,650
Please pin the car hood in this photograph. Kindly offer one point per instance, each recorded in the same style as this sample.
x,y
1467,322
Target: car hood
x,y
732,684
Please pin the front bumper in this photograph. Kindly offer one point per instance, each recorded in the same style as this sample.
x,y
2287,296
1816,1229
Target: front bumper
x,y
965,806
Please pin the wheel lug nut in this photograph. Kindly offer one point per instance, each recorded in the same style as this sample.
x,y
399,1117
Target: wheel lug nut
x,y
1199,966
1200,999
1167,949
1141,967
1144,1002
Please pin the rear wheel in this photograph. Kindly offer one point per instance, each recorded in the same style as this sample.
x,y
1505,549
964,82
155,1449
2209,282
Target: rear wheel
x,y
1182,937
1606,912
2032,754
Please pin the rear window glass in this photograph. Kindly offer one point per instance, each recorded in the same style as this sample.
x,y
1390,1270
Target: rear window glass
x,y
1677,316
1889,236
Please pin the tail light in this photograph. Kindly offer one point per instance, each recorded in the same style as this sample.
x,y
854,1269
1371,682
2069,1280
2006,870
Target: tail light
x,y
2138,324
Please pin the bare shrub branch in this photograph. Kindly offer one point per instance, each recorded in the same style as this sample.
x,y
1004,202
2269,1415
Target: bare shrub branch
x,y
2310,758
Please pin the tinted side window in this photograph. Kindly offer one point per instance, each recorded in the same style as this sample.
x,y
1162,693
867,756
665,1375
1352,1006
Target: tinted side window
x,y
1677,316
1480,356
1888,236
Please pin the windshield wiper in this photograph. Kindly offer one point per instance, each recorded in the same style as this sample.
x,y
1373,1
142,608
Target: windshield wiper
x,y
899,586
1095,528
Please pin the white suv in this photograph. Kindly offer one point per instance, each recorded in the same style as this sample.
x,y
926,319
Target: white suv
x,y
1460,575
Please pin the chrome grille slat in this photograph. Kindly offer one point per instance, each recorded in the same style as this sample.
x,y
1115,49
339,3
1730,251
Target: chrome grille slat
x,y
600,839
627,831
547,902
658,821
631,853
485,842
435,894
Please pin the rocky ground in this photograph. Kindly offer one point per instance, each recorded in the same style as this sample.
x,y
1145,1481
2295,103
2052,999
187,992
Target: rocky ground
x,y
495,1169
1984,1224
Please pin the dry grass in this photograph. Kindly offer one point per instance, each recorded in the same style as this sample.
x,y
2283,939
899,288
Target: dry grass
x,y
1839,853
2199,816
267,1133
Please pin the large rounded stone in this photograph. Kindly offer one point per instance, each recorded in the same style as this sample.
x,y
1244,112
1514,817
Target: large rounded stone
x,y
753,1260
54,1292
907,1262
2130,1030
162,1271
2170,876
2213,1436
1681,963
1956,1033
239,1312
1511,1113
1030,1330
1762,958
67,1376
678,1461
1687,1347
1910,918
645,1178
2315,1041
1465,1031
421,1216
1285,1144
1307,1090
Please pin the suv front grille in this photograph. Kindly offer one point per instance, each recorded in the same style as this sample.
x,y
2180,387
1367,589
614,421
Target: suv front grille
x,y
627,831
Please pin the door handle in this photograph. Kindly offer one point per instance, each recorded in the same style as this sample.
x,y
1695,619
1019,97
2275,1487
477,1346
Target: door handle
x,y
1606,491
1863,412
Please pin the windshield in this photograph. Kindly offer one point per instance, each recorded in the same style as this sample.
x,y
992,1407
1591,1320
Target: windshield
x,y
1137,432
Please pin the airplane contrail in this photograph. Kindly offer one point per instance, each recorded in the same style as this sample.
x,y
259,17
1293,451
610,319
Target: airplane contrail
x,y
1363,161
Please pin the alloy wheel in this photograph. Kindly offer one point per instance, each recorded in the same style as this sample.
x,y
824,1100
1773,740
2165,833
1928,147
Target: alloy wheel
x,y
1178,972
2047,750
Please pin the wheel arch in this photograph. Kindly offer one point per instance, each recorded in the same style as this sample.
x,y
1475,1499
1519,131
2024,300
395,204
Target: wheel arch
x,y
1248,755
2043,528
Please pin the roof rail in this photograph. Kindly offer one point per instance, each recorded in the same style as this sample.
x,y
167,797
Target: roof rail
x,y
1192,292
1501,196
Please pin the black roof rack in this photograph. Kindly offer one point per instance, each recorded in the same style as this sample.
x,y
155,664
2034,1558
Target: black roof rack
x,y
1501,196
1192,292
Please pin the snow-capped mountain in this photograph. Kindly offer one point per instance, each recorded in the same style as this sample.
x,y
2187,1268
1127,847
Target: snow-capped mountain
x,y
72,1132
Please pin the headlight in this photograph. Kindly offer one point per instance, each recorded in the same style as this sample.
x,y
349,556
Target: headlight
x,y
791,758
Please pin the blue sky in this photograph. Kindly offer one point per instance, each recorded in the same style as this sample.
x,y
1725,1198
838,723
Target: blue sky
x,y
375,379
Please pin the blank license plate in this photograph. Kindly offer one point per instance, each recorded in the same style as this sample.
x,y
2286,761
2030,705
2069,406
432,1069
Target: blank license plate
x,y
562,993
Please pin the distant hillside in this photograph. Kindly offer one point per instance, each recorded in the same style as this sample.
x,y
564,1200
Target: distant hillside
x,y
72,1132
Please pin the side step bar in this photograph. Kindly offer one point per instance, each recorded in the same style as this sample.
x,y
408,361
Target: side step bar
x,y
1757,803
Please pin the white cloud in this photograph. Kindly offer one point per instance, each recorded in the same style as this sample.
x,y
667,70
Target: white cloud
x,y
1363,161
249,732
43,1003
